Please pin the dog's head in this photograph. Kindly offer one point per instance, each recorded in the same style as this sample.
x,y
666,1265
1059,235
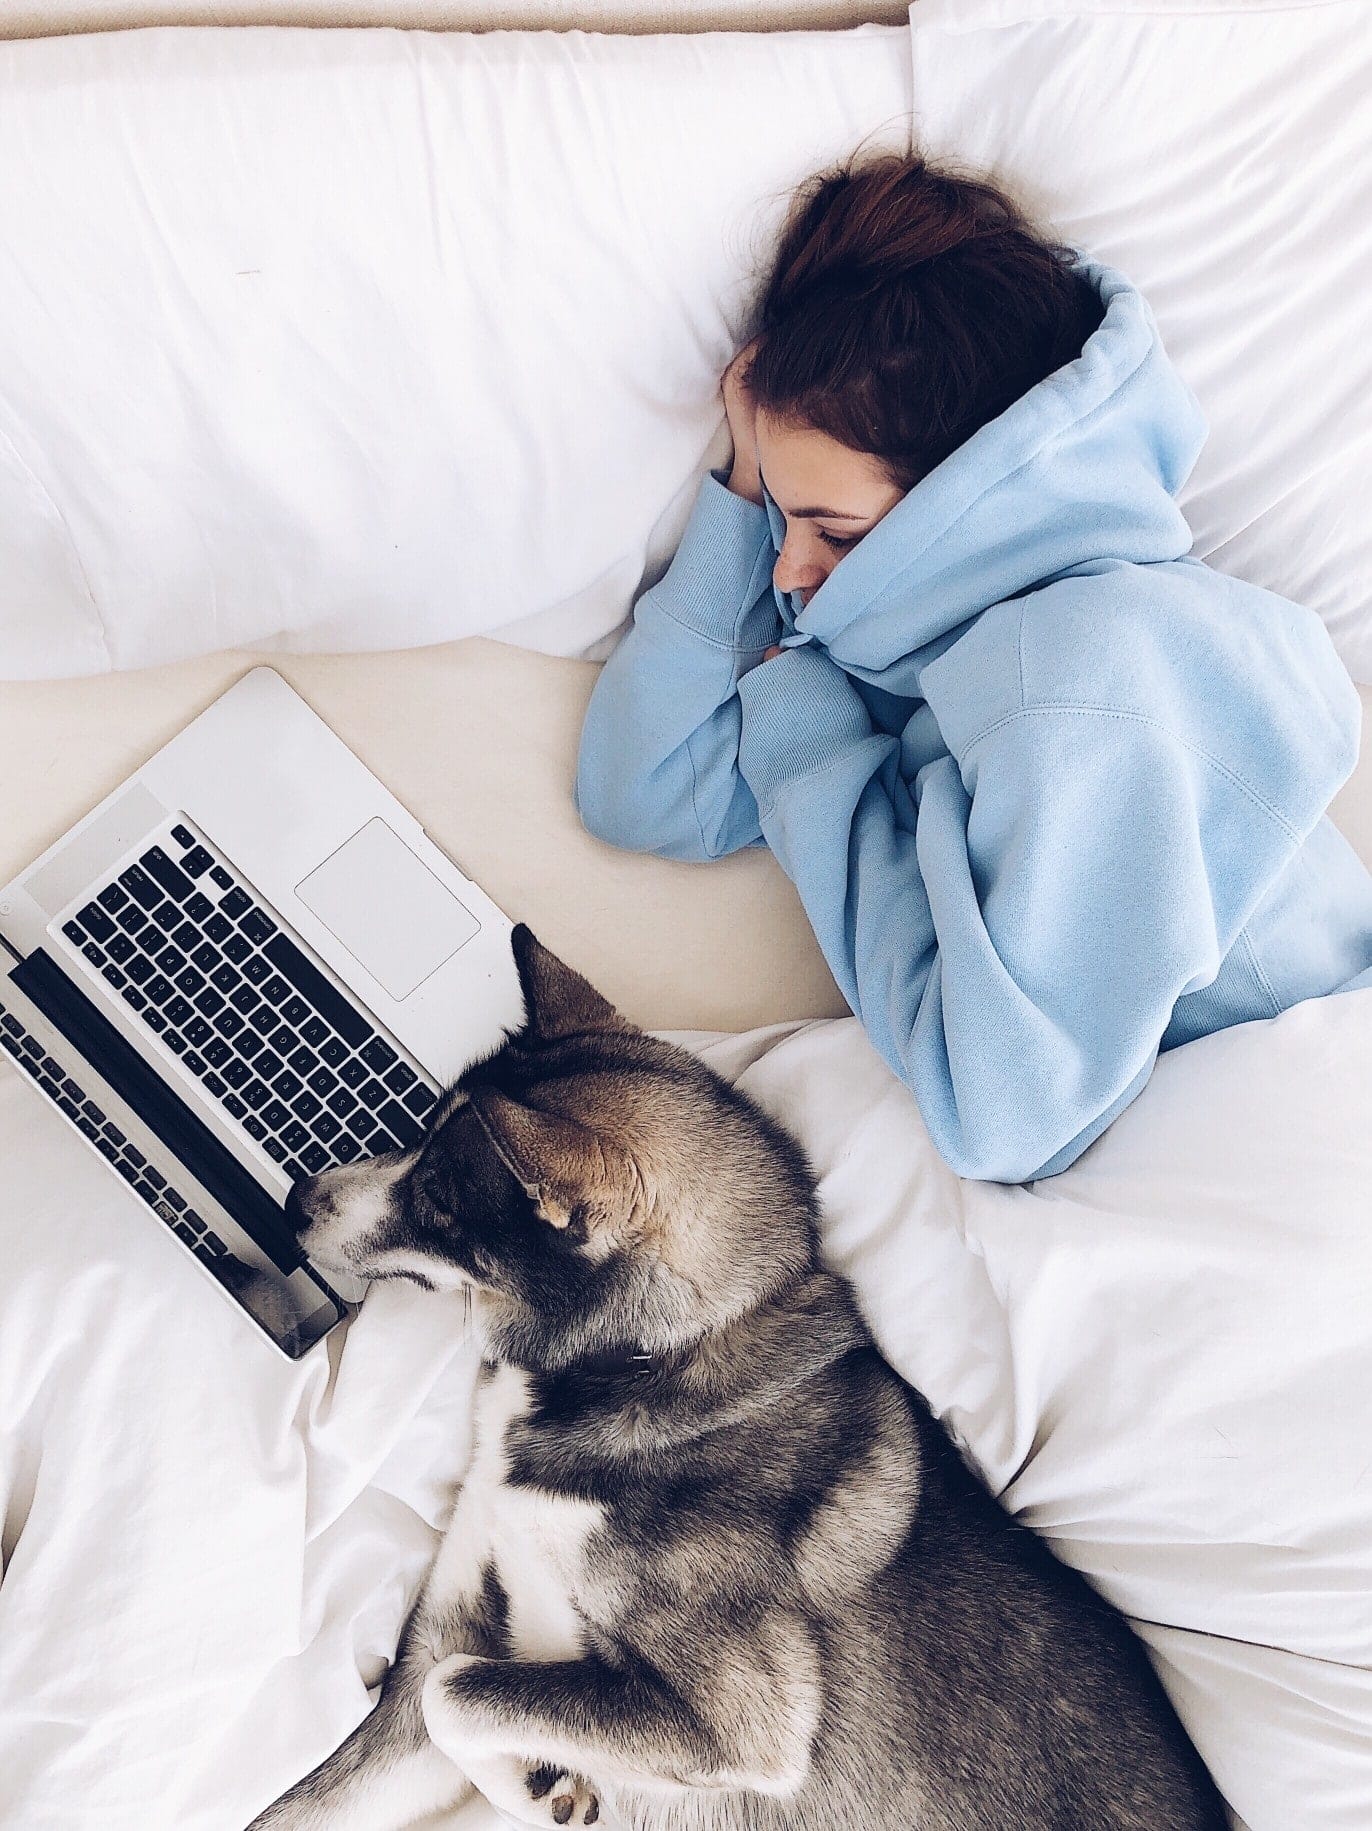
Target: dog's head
x,y
595,1186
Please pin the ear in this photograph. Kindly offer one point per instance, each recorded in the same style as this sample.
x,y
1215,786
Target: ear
x,y
557,1001
561,1165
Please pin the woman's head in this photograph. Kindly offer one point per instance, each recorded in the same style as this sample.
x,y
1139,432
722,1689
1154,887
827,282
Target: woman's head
x,y
906,306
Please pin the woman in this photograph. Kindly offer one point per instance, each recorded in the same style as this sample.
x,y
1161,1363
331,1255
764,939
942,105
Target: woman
x,y
1052,791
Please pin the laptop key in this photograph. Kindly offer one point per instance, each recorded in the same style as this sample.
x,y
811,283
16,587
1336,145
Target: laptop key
x,y
210,1003
197,907
217,928
419,1099
254,1127
306,1106
333,1051
96,923
221,877
295,1136
378,1055
177,1010
189,981
168,915
314,1031
198,1034
346,1148
171,960
112,898
400,1077
159,989
186,936
237,948
134,996
371,1093
153,1018
314,1158
234,1105
183,836
175,1042
171,877
140,887
74,933
140,970
255,1094
131,919
322,1081
196,862
274,1148
113,974
92,952
257,926
119,947
326,1127
394,1117
275,1115
234,904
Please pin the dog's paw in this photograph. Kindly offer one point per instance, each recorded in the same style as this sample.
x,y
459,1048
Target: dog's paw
x,y
569,1799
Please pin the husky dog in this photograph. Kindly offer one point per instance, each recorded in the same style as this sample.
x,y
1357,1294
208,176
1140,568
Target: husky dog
x,y
714,1566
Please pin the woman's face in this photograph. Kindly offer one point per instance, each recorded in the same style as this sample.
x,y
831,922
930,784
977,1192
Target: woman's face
x,y
830,495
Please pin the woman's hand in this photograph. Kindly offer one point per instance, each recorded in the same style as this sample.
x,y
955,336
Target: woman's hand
x,y
745,479
775,649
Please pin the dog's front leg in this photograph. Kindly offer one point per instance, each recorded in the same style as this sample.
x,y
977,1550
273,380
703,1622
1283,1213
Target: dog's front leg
x,y
624,1728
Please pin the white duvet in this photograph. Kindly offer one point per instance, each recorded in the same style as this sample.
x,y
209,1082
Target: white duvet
x,y
1161,1358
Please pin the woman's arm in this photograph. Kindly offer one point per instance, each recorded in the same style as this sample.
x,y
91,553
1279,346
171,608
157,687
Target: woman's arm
x,y
658,764
1015,928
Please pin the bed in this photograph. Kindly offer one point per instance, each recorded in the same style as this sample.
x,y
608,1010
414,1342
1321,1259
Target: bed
x,y
225,441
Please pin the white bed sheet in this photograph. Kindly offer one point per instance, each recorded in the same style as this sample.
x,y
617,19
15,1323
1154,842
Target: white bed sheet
x,y
1161,1358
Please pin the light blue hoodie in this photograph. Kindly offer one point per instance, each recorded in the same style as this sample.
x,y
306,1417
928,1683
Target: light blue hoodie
x,y
1051,790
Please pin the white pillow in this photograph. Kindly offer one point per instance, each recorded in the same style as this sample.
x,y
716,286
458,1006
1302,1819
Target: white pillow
x,y
1220,156
365,339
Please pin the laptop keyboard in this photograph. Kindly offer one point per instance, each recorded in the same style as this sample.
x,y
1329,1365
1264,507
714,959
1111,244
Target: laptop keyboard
x,y
193,950
144,1178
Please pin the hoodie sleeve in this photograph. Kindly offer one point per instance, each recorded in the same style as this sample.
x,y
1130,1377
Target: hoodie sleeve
x,y
1015,927
657,769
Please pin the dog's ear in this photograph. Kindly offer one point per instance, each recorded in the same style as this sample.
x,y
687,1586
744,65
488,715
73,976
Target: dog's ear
x,y
557,1001
563,1167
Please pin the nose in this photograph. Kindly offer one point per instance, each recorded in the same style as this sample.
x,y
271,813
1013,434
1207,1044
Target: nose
x,y
298,1216
790,574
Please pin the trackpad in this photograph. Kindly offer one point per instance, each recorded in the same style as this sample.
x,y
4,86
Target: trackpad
x,y
387,908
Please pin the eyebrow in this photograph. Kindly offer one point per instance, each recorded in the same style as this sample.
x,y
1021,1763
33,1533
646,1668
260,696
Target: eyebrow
x,y
810,514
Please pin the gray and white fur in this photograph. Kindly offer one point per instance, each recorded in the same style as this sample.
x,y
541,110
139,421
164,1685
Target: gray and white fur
x,y
714,1567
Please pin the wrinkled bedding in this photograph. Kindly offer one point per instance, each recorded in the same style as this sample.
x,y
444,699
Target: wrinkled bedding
x,y
1161,1359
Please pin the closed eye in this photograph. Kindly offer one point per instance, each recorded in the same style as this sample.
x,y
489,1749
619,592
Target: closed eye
x,y
833,540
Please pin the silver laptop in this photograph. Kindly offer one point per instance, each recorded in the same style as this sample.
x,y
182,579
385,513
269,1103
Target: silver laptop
x,y
246,964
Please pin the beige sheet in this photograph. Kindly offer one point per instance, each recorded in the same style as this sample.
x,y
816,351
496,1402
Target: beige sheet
x,y
41,18
479,741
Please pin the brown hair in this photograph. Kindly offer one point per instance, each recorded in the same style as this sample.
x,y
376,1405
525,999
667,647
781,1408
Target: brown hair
x,y
906,306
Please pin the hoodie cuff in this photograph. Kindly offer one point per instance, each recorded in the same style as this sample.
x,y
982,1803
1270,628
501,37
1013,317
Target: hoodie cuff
x,y
800,711
719,582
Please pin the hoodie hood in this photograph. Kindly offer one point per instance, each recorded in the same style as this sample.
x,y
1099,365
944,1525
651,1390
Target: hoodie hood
x,y
1080,470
